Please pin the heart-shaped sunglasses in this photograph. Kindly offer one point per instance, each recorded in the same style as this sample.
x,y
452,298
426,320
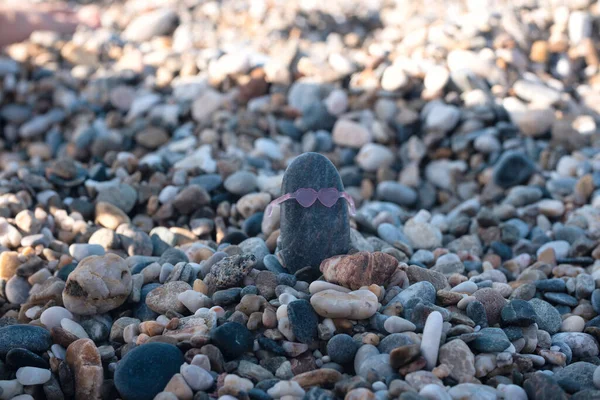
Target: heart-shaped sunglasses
x,y
306,197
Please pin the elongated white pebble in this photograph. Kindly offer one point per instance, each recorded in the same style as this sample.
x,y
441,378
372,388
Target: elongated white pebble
x,y
432,333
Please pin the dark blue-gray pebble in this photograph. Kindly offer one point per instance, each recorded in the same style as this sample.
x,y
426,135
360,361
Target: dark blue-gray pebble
x,y
227,296
209,182
304,321
232,339
17,358
257,394
272,264
32,338
492,340
271,345
561,298
286,279
596,300
252,225
235,237
342,348
518,312
504,251
392,341
551,285
65,271
250,289
172,256
145,371
513,332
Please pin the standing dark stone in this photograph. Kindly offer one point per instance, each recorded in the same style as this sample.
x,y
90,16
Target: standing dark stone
x,y
310,235
304,321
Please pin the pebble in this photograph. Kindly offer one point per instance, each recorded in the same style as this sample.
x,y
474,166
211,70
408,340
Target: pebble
x,y
233,339
136,376
457,355
359,304
581,344
348,133
29,376
32,338
108,277
304,320
549,318
342,348
134,198
196,377
431,338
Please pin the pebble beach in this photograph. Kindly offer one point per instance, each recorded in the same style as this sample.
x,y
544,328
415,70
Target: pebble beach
x,y
137,161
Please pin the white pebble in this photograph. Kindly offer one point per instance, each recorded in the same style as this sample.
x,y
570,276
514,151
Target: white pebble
x,y
193,300
28,376
198,378
286,298
52,316
396,324
201,361
23,397
434,392
574,323
512,392
319,286
32,312
281,312
286,388
59,351
465,287
74,328
238,383
432,333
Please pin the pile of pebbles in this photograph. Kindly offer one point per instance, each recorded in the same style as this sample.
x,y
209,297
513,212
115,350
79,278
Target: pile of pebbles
x,y
137,160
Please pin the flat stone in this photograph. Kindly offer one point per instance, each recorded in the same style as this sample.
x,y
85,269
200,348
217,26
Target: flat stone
x,y
304,231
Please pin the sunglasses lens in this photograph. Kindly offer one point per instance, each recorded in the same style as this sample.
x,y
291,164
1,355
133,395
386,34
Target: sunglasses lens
x,y
306,198
328,197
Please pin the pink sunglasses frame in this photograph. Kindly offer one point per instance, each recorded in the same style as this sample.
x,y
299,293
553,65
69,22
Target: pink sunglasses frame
x,y
295,194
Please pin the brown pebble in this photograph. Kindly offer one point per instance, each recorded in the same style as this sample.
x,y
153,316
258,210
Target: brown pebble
x,y
62,336
404,354
83,357
179,387
323,377
360,394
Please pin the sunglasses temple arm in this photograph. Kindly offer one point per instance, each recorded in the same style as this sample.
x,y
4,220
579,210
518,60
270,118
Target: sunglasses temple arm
x,y
350,202
276,202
